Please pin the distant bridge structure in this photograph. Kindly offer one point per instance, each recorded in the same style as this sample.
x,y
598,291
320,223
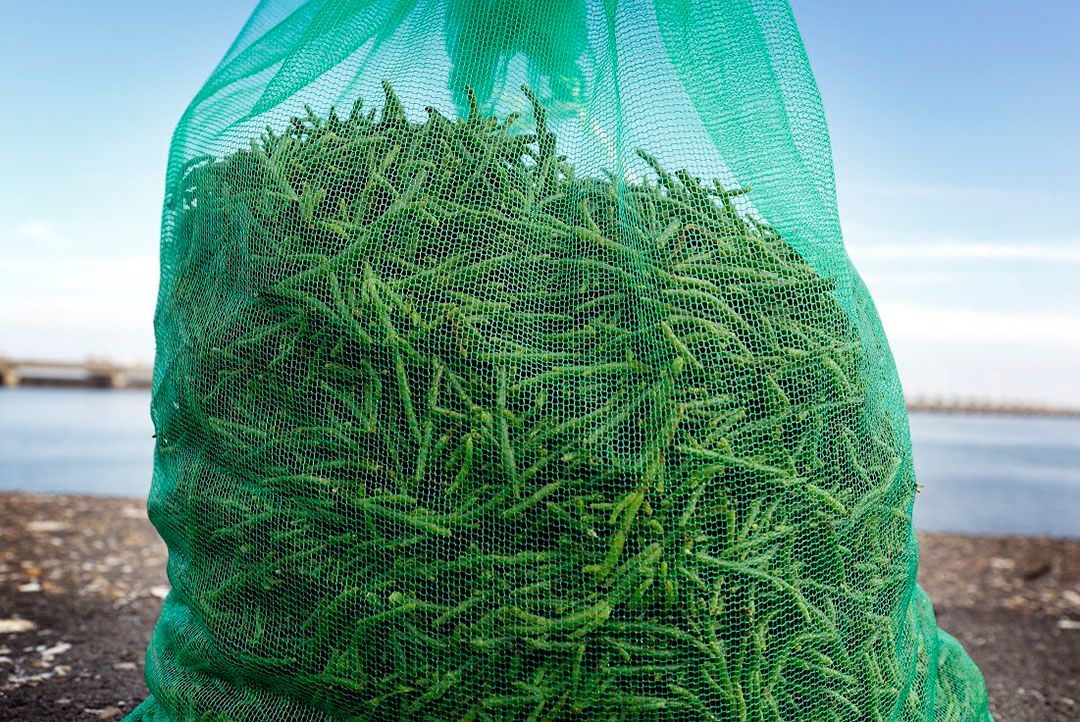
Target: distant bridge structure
x,y
91,373
106,374
994,407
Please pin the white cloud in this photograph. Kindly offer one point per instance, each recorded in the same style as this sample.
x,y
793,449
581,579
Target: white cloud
x,y
933,191
66,307
48,276
36,230
905,322
36,236
891,278
1012,372
951,250
953,192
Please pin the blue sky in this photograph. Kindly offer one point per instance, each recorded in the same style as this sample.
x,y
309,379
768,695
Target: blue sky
x,y
953,127
91,94
954,137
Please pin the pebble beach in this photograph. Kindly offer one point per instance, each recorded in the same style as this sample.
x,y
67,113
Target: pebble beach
x,y
82,579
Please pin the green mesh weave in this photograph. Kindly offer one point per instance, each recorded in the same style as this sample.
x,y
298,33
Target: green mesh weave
x,y
511,368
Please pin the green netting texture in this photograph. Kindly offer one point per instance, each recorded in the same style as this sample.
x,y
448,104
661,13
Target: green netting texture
x,y
511,368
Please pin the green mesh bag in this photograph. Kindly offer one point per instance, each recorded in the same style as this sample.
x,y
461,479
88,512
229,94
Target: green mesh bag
x,y
511,368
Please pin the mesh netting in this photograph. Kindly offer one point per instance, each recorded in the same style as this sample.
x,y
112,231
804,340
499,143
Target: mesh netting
x,y
511,367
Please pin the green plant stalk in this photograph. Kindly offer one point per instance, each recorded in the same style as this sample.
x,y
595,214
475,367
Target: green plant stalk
x,y
481,439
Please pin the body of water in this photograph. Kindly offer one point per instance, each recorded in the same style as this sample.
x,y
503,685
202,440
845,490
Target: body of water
x,y
997,474
980,474
76,441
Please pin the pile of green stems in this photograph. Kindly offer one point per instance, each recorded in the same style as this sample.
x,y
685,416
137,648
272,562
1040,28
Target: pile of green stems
x,y
450,433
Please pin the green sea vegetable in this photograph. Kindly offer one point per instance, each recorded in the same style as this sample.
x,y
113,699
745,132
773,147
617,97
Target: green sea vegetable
x,y
459,433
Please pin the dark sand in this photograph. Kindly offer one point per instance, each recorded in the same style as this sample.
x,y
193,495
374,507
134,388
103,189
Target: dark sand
x,y
82,578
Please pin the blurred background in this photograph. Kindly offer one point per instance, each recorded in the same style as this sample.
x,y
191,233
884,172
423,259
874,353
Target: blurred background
x,y
953,133
954,137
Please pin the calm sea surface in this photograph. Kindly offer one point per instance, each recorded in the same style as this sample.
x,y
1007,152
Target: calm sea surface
x,y
1009,475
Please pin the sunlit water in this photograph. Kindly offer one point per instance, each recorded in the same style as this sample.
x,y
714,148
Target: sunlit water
x,y
997,474
78,441
1007,475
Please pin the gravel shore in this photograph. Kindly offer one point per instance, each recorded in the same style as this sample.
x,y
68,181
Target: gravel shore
x,y
82,579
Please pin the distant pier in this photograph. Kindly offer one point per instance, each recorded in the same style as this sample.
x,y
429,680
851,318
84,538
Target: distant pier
x,y
106,374
983,406
91,373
